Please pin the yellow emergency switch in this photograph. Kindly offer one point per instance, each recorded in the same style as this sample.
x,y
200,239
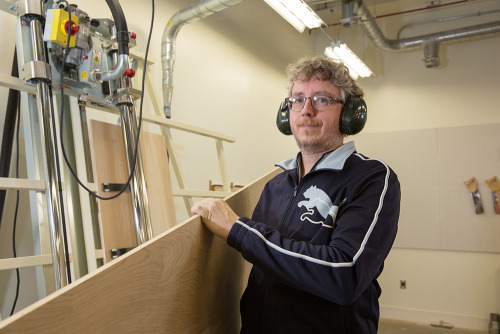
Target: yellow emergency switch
x,y
57,27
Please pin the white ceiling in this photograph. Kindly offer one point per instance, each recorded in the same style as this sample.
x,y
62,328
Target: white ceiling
x,y
256,27
255,21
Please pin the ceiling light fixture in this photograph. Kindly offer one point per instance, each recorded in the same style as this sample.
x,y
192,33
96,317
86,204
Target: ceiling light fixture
x,y
297,13
341,52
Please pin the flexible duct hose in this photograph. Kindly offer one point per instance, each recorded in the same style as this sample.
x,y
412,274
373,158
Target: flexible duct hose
x,y
122,38
121,26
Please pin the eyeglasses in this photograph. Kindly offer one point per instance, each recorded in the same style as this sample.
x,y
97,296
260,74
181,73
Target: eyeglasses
x,y
319,102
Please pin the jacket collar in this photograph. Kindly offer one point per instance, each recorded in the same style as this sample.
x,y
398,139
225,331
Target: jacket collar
x,y
330,160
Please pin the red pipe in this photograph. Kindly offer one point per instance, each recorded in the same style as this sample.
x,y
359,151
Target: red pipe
x,y
409,11
423,8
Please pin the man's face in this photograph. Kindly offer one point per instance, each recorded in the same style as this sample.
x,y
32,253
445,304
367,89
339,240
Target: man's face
x,y
316,131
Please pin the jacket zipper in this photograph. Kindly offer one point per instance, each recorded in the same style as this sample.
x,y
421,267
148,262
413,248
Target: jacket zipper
x,y
292,200
267,278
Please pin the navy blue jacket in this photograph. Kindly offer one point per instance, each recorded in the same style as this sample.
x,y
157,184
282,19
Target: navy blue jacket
x,y
317,246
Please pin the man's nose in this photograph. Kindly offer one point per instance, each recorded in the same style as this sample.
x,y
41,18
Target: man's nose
x,y
308,108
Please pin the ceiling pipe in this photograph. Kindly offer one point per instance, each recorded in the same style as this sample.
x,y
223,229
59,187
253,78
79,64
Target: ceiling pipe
x,y
190,14
429,7
431,53
430,42
349,7
445,19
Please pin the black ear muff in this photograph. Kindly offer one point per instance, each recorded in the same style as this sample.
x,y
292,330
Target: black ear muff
x,y
283,119
353,116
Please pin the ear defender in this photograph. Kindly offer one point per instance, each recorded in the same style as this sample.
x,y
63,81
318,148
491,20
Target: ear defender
x,y
283,119
352,117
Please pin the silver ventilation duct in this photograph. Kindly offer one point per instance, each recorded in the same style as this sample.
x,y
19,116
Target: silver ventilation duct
x,y
349,7
190,14
431,53
429,42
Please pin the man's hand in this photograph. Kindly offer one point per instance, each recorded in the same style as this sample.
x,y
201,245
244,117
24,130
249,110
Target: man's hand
x,y
216,214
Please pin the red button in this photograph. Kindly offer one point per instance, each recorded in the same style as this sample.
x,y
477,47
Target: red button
x,y
74,27
129,73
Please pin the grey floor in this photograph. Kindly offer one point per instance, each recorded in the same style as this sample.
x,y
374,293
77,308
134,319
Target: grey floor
x,y
402,327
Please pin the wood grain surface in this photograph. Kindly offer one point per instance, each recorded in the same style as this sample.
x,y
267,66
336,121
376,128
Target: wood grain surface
x,y
186,280
116,216
159,183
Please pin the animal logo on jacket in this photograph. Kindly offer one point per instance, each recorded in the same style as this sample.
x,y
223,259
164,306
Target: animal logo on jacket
x,y
317,200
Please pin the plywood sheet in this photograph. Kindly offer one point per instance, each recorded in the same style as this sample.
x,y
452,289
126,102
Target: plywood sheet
x,y
159,184
184,281
116,216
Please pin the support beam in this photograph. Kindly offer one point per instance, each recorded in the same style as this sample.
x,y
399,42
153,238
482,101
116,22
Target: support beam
x,y
21,184
222,165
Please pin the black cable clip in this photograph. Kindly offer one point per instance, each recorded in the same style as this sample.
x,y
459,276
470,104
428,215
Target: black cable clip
x,y
116,252
109,187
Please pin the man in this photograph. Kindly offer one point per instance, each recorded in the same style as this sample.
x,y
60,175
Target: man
x,y
323,227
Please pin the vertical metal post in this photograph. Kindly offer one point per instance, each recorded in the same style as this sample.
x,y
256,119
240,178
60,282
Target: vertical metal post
x,y
41,77
138,190
34,164
77,114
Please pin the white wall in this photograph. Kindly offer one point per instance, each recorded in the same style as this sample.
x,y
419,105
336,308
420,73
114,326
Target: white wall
x,y
457,287
229,80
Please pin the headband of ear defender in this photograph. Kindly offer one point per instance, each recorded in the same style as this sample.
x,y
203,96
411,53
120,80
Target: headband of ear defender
x,y
352,117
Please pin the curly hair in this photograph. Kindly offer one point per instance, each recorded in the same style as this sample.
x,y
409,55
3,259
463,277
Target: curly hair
x,y
325,69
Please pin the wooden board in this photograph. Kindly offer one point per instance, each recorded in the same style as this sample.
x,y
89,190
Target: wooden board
x,y
116,216
184,281
159,184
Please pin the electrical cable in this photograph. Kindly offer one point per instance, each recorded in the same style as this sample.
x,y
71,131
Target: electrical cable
x,y
16,210
66,52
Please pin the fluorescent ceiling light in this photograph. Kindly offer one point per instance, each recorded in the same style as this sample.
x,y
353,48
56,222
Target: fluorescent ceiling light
x,y
297,13
341,52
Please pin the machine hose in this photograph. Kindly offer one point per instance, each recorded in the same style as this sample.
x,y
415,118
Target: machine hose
x,y
121,26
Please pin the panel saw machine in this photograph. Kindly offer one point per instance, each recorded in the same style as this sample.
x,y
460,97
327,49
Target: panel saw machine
x,y
86,60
